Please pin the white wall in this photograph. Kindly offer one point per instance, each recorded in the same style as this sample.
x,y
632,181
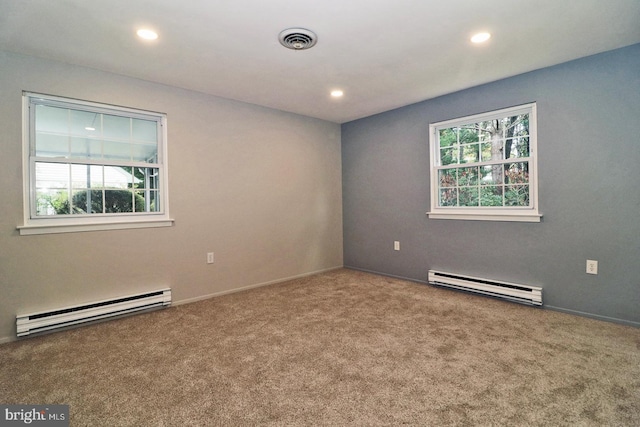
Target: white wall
x,y
261,188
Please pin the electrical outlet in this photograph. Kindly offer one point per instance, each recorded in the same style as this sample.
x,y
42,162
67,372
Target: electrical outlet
x,y
396,245
592,266
210,258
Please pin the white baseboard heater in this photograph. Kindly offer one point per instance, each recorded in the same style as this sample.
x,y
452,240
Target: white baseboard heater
x,y
48,320
525,294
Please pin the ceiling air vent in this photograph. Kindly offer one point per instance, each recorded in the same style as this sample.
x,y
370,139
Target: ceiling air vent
x,y
298,38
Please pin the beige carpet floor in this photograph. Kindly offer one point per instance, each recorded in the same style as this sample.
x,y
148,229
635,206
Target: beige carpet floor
x,y
338,348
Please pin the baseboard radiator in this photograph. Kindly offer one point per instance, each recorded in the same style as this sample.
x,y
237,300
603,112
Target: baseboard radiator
x,y
525,294
63,317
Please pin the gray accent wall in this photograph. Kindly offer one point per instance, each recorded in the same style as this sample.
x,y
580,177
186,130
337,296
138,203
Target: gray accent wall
x,y
258,187
589,190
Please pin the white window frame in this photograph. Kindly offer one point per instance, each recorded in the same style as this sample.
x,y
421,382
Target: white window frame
x,y
499,213
93,222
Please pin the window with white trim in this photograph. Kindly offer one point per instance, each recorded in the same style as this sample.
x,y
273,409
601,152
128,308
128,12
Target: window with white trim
x,y
90,166
484,167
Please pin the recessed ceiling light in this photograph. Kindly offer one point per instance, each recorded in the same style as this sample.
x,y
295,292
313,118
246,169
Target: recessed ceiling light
x,y
337,93
480,37
147,34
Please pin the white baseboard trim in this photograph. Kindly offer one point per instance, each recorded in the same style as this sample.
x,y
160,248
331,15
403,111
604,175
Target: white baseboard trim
x,y
5,340
545,306
408,279
256,285
594,316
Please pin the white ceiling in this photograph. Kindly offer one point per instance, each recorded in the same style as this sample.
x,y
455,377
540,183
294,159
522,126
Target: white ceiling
x,y
382,53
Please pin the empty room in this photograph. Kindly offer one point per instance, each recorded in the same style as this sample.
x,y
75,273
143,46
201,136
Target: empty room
x,y
319,213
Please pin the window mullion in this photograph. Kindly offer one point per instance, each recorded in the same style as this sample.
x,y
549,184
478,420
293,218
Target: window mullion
x,y
487,163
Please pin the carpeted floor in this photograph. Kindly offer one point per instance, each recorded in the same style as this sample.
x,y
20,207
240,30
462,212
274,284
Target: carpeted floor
x,y
338,348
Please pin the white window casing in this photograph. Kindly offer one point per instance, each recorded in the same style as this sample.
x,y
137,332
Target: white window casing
x,y
90,166
484,166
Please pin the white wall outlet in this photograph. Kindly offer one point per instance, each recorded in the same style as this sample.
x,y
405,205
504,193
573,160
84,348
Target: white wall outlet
x,y
592,266
210,258
396,245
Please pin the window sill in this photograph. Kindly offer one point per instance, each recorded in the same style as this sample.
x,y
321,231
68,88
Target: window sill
x,y
529,217
26,230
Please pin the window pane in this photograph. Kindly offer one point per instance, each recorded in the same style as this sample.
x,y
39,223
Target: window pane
x,y
485,151
496,149
51,201
117,177
117,201
144,130
52,189
86,176
492,174
448,177
449,197
470,153
516,195
86,148
449,155
486,130
469,196
468,134
144,153
516,173
521,125
51,145
448,137
147,199
146,178
491,196
83,122
52,119
467,176
87,201
52,175
116,150
153,177
116,127
154,201
519,147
